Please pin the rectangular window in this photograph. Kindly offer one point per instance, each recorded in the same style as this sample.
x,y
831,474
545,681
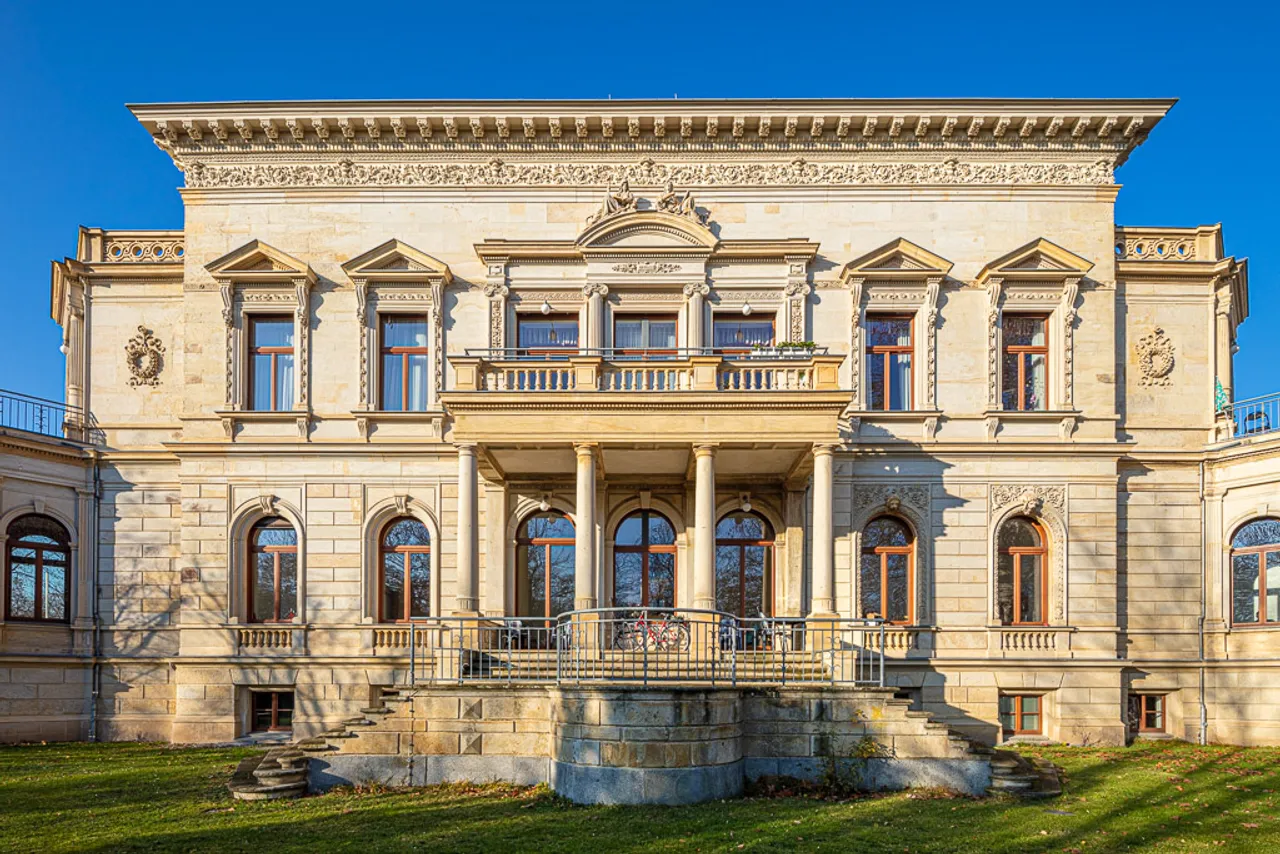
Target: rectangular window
x,y
404,363
739,334
1020,714
1146,713
272,711
271,363
1024,372
547,333
637,333
1255,586
890,346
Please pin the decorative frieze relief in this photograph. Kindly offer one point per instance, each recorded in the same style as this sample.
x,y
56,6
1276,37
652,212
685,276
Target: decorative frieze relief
x,y
1031,498
891,496
144,354
497,173
646,267
1155,358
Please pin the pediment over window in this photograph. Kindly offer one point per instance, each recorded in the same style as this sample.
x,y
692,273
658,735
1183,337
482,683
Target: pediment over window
x,y
397,261
897,260
649,229
1039,260
259,262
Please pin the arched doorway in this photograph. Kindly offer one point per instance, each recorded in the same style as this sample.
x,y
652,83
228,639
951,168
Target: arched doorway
x,y
644,561
744,566
544,567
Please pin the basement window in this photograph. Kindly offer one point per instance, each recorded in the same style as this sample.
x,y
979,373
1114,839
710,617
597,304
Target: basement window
x,y
1020,714
1145,714
272,711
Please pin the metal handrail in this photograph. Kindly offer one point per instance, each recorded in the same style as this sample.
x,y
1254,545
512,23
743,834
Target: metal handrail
x,y
620,354
646,645
45,417
1254,416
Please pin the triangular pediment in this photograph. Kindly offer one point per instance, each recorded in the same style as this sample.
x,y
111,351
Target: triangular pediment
x,y
647,229
898,259
1039,259
395,260
258,260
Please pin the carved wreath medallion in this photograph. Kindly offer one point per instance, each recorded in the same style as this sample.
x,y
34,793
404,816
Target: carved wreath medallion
x,y
1155,358
144,354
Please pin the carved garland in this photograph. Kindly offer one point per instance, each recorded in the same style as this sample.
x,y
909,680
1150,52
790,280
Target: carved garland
x,y
1032,500
1155,358
144,354
796,172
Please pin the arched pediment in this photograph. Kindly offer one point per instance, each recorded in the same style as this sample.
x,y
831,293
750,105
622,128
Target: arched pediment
x,y
648,229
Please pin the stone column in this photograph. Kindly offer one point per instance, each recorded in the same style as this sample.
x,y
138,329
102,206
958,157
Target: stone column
x,y
468,532
824,563
595,294
697,294
704,531
584,547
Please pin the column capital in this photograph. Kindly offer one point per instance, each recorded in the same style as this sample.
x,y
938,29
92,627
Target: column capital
x,y
824,449
586,449
706,449
466,447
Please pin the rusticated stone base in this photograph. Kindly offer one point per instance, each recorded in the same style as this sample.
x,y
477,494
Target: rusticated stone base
x,y
630,745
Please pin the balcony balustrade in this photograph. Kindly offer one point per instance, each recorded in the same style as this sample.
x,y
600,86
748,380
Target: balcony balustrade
x,y
46,418
775,369
1255,416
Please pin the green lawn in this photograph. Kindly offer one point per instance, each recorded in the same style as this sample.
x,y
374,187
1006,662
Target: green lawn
x,y
135,797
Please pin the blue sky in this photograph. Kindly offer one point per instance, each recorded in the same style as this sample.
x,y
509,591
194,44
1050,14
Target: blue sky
x,y
73,155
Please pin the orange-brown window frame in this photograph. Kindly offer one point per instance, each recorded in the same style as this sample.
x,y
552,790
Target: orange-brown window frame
x,y
404,353
252,565
645,549
39,549
404,551
274,353
1019,714
1262,552
1027,349
883,552
1152,703
545,543
274,726
885,352
742,545
1017,553
662,318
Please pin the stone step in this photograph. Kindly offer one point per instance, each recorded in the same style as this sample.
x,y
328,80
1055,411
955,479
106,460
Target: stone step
x,y
1013,782
357,722
271,793
280,776
376,710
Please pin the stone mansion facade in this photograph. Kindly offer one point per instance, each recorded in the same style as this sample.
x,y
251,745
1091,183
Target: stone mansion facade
x,y
502,361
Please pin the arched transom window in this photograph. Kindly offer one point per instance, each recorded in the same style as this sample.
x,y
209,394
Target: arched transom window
x,y
37,570
1255,573
404,561
644,562
273,571
886,581
744,565
545,565
1022,595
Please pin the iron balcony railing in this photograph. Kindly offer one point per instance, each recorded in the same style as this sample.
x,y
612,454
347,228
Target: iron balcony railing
x,y
1254,416
619,354
647,645
45,417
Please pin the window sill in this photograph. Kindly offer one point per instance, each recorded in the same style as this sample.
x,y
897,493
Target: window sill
x,y
369,422
233,419
999,420
889,423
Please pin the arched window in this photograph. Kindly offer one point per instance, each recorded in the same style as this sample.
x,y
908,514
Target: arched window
x,y
886,580
1255,573
273,571
1022,596
744,565
644,562
404,560
37,570
545,566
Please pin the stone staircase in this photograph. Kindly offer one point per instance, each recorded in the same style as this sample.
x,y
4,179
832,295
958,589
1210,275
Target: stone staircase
x,y
273,774
1024,777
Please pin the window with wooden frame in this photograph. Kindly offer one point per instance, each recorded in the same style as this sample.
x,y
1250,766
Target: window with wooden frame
x,y
271,363
890,351
273,572
403,347
1255,573
1022,594
37,570
644,562
404,566
738,334
744,566
271,711
547,333
1021,714
1146,713
545,558
886,581
644,333
1024,366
